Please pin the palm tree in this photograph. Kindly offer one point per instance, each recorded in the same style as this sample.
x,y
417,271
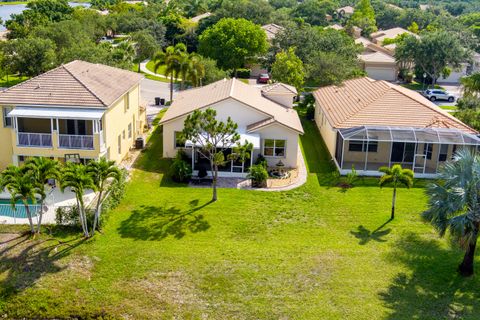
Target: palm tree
x,y
77,177
454,204
396,176
183,68
170,58
196,70
43,169
23,186
103,171
471,84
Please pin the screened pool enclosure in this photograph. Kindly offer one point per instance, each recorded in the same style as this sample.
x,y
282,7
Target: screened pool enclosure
x,y
423,150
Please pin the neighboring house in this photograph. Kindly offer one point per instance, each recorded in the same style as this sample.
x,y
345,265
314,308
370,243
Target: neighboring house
x,y
456,74
367,124
377,62
79,110
272,30
424,7
379,36
200,17
345,11
272,128
280,93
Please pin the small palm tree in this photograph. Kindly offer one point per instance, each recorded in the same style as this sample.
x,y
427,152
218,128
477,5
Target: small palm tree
x,y
396,176
77,177
454,204
23,186
196,70
43,169
103,172
170,58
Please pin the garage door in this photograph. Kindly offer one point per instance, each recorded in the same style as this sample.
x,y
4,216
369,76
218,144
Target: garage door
x,y
376,73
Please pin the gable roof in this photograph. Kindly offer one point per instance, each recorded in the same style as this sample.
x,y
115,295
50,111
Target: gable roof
x,y
271,30
78,83
389,33
346,9
377,57
198,98
279,88
366,102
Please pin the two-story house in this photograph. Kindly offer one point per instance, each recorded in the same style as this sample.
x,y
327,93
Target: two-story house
x,y
79,110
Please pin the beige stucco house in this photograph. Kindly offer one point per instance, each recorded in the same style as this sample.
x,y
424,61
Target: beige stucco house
x,y
265,119
77,111
367,124
376,61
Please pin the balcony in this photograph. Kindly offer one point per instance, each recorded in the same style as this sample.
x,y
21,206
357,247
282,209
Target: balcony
x,y
30,139
71,141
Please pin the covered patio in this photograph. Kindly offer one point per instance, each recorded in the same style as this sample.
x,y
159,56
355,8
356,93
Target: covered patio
x,y
424,150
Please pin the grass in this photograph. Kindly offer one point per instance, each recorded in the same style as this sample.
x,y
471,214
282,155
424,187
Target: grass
x,y
151,67
6,3
418,86
454,108
311,253
11,81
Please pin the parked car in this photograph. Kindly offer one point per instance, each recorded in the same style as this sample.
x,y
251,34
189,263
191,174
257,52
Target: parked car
x,y
263,78
438,94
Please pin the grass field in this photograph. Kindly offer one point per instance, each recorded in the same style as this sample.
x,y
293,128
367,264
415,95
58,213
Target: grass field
x,y
151,67
311,253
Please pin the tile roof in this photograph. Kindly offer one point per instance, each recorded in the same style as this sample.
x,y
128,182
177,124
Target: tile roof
x,y
78,83
366,102
336,27
377,57
271,30
279,88
346,9
389,33
201,16
198,98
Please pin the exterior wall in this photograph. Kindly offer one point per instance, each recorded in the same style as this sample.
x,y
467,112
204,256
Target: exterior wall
x,y
5,143
285,100
381,72
116,120
279,132
455,75
329,134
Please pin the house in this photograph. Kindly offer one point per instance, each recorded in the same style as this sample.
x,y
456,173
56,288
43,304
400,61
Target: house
x,y
272,30
346,11
280,93
257,68
76,111
377,61
379,36
367,124
272,128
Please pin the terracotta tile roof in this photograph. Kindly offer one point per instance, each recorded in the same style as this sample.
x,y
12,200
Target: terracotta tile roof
x,y
279,88
77,83
198,98
366,102
389,33
377,57
259,124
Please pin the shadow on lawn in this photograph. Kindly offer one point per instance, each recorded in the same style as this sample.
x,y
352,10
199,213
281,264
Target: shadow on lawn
x,y
26,260
156,222
365,235
433,289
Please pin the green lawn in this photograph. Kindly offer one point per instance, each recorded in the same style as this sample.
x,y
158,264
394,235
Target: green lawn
x,y
418,86
151,67
310,253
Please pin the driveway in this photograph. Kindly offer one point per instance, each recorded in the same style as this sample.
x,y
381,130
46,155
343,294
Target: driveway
x,y
149,89
455,89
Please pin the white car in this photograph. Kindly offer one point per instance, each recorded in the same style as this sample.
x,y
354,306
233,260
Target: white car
x,y
438,94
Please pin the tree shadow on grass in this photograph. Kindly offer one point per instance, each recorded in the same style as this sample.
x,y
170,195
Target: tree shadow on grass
x,y
365,236
159,222
26,260
433,289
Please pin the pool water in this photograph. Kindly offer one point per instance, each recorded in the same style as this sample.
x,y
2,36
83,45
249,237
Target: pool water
x,y
6,209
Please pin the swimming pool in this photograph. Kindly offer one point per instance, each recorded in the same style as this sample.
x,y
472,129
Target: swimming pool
x,y
6,209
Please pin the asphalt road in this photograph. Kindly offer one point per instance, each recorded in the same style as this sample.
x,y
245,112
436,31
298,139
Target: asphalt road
x,y
149,89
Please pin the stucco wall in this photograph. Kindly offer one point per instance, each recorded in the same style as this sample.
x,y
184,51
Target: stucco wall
x,y
329,135
5,143
279,132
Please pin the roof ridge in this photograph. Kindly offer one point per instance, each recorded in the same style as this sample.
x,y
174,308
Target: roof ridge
x,y
83,84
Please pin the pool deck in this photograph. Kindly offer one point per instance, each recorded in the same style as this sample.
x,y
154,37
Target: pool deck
x,y
55,198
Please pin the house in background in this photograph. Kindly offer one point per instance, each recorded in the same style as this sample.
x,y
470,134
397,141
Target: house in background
x,y
272,128
77,111
367,124
272,30
345,12
376,61
379,36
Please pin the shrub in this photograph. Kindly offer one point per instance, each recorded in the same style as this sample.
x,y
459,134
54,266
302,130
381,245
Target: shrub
x,y
180,170
68,216
115,195
261,161
307,106
350,179
259,175
242,73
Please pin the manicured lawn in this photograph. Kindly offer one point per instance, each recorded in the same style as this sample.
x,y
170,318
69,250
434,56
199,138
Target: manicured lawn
x,y
418,86
454,108
311,253
151,66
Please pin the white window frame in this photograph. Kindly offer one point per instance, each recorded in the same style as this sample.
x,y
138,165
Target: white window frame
x,y
5,111
275,147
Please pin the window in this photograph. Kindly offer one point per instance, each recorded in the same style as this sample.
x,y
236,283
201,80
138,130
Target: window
x,y
123,134
361,146
274,148
402,152
126,102
443,152
129,130
179,141
7,121
119,143
428,150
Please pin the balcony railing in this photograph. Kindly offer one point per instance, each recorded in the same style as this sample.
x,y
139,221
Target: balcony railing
x,y
70,141
28,139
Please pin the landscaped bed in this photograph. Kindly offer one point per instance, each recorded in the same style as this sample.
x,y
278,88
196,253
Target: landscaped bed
x,y
316,252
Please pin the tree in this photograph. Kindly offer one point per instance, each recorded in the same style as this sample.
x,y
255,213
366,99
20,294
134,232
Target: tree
x,y
212,137
396,176
315,11
212,72
54,10
22,185
196,69
42,169
145,46
233,42
171,59
77,177
104,173
471,84
413,28
288,68
468,111
256,11
363,17
327,68
454,204
433,52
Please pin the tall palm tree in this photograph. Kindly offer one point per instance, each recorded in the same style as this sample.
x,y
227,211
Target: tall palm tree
x,y
454,204
103,172
471,84
23,186
77,177
171,59
183,68
43,169
396,176
196,70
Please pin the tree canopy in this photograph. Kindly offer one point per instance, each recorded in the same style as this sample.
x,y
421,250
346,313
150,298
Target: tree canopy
x,y
288,68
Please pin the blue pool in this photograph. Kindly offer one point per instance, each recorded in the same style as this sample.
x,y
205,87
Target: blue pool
x,y
6,209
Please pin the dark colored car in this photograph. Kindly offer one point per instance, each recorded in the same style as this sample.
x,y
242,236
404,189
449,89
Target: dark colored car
x,y
263,78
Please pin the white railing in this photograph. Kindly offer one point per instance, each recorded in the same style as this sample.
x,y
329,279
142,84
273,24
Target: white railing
x,y
70,141
28,139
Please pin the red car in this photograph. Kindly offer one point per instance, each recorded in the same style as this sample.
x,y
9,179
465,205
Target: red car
x,y
263,78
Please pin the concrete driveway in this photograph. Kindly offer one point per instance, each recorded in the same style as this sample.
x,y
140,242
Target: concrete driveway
x,y
149,89
455,89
